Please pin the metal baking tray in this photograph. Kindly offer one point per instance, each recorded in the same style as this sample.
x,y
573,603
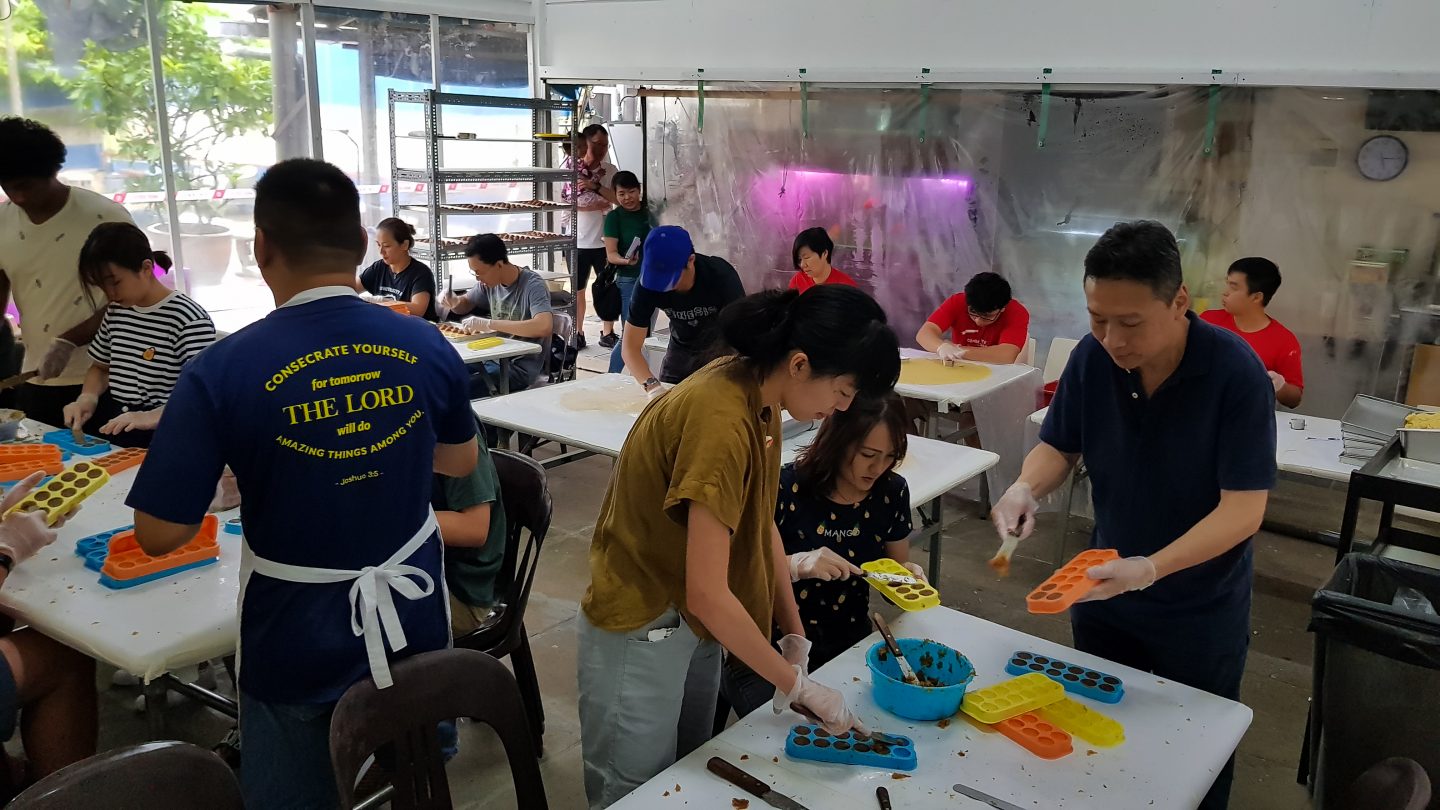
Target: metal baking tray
x,y
1420,444
1374,417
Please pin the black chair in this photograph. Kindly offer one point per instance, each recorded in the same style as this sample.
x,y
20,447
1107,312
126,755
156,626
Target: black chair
x,y
1391,784
526,498
153,776
399,726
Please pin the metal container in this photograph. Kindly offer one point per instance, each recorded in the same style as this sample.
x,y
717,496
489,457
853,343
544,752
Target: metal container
x,y
1420,444
1375,418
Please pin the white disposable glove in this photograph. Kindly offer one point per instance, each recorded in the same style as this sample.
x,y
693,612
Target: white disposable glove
x,y
950,353
447,304
23,533
132,420
1014,514
475,324
1276,380
656,392
796,650
818,702
365,296
56,359
822,563
227,493
1120,576
77,413
915,571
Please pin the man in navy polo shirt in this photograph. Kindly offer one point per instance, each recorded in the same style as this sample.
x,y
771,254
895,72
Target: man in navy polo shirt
x,y
1175,419
333,413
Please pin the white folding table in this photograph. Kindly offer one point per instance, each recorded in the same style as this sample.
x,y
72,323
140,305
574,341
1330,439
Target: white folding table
x,y
1176,740
148,630
505,353
562,414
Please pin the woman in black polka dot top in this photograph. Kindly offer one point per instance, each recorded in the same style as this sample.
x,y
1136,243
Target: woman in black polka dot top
x,y
841,504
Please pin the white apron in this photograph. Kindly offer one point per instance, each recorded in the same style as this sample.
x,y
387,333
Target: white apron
x,y
372,607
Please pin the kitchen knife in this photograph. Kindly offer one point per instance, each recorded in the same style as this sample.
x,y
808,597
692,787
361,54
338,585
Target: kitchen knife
x,y
751,785
890,579
981,796
11,382
906,672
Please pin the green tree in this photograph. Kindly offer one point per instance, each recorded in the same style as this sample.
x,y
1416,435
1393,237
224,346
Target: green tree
x,y
210,95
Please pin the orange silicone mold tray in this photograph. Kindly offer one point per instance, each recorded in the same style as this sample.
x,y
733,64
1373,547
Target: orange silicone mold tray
x,y
19,470
1036,736
1064,587
128,561
15,453
64,492
121,460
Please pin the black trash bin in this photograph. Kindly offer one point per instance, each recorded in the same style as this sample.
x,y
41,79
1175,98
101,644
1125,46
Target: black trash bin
x,y
1377,673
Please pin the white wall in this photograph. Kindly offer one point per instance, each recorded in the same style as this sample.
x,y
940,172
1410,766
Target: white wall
x,y
1345,43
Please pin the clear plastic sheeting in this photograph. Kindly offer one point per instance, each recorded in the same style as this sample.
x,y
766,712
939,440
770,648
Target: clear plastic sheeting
x,y
923,189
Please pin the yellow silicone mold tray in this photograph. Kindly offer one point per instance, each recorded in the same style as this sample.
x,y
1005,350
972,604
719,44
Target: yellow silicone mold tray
x,y
899,586
1010,698
1083,722
64,492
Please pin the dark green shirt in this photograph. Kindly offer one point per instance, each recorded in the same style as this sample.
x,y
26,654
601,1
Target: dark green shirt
x,y
471,571
625,227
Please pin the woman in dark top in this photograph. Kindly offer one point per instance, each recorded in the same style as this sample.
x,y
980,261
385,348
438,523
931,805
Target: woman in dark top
x,y
396,274
841,504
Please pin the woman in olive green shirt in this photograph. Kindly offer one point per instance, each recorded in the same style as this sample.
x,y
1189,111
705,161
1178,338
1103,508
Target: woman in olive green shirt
x,y
686,558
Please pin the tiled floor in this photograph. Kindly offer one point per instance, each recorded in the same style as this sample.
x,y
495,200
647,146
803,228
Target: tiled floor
x,y
1277,681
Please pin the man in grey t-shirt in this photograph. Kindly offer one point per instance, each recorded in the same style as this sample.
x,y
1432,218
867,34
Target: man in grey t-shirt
x,y
517,304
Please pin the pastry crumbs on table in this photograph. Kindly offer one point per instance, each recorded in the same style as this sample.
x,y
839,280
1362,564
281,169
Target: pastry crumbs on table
x,y
744,757
739,804
898,776
944,723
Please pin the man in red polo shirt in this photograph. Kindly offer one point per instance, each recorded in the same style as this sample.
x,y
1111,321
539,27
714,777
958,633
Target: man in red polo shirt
x,y
811,254
985,324
1249,285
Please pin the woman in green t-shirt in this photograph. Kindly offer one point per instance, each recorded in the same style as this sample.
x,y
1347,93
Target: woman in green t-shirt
x,y
686,558
625,230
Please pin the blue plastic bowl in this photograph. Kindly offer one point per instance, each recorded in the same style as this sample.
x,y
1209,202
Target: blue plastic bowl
x,y
931,660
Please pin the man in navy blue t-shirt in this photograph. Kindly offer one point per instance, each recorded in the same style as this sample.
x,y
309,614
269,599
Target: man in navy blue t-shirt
x,y
1175,420
333,414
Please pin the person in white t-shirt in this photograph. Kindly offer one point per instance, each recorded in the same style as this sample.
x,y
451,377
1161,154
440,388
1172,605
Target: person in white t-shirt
x,y
42,228
595,196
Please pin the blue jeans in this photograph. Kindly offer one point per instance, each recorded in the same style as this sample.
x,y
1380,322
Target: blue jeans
x,y
285,759
627,285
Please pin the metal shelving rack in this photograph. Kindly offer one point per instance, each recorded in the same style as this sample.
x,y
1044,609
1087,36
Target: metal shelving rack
x,y
542,238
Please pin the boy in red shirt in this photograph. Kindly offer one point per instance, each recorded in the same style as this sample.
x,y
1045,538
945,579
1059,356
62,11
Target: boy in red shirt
x,y
985,324
1249,285
811,254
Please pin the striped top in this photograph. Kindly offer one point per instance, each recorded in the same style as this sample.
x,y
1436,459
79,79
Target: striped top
x,y
146,347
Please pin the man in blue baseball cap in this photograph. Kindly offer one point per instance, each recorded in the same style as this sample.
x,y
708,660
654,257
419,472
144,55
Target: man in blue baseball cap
x,y
691,289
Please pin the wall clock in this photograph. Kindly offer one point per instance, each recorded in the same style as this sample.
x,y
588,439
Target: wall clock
x,y
1383,157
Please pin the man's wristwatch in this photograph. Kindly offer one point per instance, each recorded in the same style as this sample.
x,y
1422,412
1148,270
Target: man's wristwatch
x,y
650,383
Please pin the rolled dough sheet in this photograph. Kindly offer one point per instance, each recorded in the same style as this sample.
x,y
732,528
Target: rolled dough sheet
x,y
628,399
930,371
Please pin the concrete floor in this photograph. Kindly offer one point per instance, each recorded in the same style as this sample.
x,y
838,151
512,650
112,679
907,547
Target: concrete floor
x,y
1277,680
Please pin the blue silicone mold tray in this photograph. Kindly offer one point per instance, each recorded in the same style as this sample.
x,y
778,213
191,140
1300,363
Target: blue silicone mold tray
x,y
1076,679
89,445
888,751
95,548
232,526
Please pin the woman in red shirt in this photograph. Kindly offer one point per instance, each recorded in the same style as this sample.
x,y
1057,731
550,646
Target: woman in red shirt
x,y
811,255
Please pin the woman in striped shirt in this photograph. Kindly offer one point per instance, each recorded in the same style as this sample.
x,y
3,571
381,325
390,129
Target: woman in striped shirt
x,y
148,335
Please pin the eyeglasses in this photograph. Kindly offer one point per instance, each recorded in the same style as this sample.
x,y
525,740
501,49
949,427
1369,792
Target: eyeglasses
x,y
986,317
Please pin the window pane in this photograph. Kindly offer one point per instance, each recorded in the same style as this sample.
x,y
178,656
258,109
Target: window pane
x,y
87,76
235,93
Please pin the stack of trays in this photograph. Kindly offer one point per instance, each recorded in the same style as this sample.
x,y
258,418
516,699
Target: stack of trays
x,y
1368,425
